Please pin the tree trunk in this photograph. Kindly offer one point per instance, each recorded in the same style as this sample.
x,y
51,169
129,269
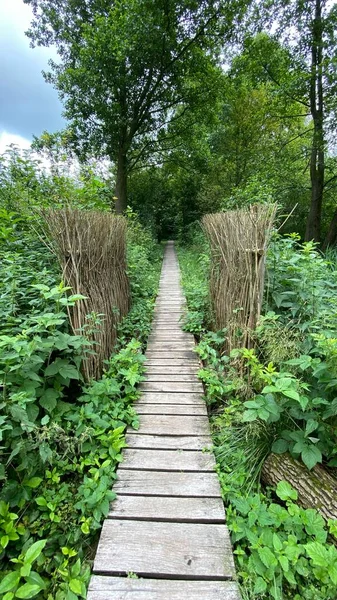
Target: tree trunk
x,y
121,182
317,159
315,488
331,237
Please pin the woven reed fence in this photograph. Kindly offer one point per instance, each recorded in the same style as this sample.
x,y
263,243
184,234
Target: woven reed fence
x,y
238,240
91,249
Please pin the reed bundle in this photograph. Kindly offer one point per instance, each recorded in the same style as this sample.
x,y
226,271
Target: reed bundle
x,y
91,248
238,240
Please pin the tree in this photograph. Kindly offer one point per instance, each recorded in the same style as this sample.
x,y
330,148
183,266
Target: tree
x,y
125,66
308,30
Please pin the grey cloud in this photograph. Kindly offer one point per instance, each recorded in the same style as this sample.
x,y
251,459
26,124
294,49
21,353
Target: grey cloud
x,y
28,105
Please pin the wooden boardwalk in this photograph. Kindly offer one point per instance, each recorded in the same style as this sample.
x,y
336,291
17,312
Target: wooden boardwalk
x,y
167,526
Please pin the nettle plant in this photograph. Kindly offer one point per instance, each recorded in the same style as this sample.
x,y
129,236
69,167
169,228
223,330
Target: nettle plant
x,y
281,548
61,442
301,412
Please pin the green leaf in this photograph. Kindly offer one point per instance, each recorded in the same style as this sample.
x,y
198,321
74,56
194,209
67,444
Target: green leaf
x,y
249,415
45,452
34,551
34,482
9,582
260,586
318,554
311,426
48,400
285,491
284,562
28,590
76,568
277,543
332,570
36,579
75,586
69,372
41,501
280,446
267,557
291,394
311,455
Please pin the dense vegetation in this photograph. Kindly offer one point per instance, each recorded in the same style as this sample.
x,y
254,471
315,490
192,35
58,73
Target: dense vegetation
x,y
175,110
278,397
61,438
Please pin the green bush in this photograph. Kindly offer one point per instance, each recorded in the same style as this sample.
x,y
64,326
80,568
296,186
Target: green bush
x,y
280,397
61,439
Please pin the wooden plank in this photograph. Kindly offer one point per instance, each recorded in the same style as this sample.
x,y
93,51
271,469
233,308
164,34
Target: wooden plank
x,y
169,377
167,322
173,386
167,483
170,335
123,588
173,425
167,328
167,339
184,343
172,370
171,398
170,301
169,442
146,408
184,550
181,354
159,508
167,460
167,346
173,362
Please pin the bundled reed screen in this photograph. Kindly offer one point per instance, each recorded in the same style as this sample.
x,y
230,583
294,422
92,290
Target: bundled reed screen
x,y
238,241
91,248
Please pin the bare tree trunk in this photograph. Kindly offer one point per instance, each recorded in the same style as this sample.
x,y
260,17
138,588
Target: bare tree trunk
x,y
315,488
121,182
317,159
331,237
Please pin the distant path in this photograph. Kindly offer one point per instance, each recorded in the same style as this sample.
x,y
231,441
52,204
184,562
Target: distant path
x,y
167,525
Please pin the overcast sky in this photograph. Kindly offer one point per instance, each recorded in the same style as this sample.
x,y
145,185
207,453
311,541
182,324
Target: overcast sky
x,y
28,105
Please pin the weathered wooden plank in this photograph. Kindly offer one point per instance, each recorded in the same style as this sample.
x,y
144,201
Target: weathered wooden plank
x,y
173,370
167,327
167,483
181,355
184,550
170,301
146,408
173,362
167,339
160,508
170,335
169,442
176,347
168,460
172,320
123,588
173,425
184,343
171,386
172,398
169,377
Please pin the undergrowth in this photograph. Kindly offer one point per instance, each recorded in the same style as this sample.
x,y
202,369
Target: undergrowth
x,y
61,439
278,397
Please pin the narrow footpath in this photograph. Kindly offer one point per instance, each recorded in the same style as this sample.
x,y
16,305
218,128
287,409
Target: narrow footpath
x,y
165,537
